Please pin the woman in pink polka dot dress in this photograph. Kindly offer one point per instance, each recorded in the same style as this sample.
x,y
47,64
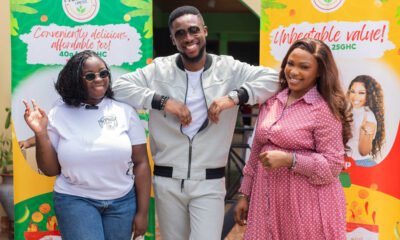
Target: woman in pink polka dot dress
x,y
290,188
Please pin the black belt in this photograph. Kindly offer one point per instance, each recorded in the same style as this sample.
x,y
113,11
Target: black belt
x,y
211,173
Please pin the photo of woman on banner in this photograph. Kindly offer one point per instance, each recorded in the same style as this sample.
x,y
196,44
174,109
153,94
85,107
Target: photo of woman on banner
x,y
367,103
290,187
96,148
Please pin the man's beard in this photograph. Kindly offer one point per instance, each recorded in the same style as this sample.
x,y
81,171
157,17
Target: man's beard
x,y
194,59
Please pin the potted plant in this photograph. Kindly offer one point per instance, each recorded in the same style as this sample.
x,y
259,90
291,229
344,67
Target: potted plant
x,y
6,168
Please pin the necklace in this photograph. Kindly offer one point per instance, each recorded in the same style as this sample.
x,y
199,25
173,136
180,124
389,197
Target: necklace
x,y
192,87
194,79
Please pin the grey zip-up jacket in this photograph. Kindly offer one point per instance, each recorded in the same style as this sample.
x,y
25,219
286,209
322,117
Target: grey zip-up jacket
x,y
165,76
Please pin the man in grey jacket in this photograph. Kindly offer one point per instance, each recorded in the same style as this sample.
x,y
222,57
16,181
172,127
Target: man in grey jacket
x,y
193,99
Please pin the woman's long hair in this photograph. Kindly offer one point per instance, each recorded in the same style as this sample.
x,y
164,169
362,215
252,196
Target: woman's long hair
x,y
328,82
374,101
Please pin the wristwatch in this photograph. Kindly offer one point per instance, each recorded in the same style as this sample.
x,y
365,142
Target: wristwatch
x,y
234,96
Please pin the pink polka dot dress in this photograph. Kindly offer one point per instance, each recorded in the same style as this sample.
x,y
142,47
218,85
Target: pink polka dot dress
x,y
306,202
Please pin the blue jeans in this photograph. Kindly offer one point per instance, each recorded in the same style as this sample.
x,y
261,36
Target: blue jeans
x,y
90,219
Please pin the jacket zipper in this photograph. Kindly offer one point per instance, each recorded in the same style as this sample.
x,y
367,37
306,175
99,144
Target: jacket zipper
x,y
191,140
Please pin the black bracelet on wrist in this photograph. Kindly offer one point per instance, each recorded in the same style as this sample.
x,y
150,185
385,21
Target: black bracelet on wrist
x,y
163,102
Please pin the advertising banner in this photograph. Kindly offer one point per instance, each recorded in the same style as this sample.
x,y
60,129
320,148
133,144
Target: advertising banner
x,y
44,35
364,37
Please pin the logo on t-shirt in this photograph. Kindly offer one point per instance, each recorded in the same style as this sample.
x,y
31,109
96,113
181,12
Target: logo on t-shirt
x,y
109,122
129,171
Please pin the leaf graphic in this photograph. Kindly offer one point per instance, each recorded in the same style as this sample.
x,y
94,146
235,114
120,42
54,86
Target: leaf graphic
x,y
398,15
14,26
136,4
143,9
148,28
398,12
24,9
275,5
265,23
22,2
268,4
19,7
138,13
80,9
272,4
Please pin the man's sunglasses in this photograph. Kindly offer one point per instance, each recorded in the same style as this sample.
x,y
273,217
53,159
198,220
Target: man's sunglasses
x,y
92,76
181,33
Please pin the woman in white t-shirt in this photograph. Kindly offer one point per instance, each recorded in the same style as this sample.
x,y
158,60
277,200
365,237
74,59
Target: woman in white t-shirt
x,y
96,147
366,97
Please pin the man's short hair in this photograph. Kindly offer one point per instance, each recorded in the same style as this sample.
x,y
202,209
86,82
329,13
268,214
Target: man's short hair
x,y
180,11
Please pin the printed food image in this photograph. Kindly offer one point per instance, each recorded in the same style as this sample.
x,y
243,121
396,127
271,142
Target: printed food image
x,y
45,208
37,217
361,219
38,220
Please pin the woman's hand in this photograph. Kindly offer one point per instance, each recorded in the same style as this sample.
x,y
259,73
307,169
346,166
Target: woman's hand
x,y
241,210
139,224
36,118
368,128
366,136
46,156
276,159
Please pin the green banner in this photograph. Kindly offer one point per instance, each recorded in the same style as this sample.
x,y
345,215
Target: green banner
x,y
44,35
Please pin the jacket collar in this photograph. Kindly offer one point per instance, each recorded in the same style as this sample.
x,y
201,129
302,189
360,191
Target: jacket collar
x,y
179,62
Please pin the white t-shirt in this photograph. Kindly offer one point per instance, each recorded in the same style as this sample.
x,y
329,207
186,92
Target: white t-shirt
x,y
94,148
196,103
358,117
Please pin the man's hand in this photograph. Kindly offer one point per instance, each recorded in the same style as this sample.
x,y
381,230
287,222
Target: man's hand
x,y
241,210
180,110
217,106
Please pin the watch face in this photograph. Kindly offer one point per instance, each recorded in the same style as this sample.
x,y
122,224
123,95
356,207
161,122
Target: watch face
x,y
234,96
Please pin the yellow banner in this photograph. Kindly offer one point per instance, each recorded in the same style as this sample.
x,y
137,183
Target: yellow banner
x,y
364,37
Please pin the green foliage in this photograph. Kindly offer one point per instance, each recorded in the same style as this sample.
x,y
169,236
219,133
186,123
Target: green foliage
x,y
19,6
6,147
266,4
143,8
